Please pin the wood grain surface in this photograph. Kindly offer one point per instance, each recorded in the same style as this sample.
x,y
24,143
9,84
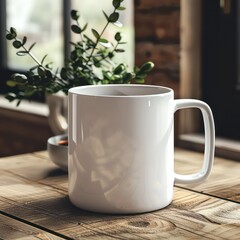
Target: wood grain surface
x,y
224,181
33,190
14,229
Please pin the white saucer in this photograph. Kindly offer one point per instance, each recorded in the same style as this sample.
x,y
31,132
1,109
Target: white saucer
x,y
58,153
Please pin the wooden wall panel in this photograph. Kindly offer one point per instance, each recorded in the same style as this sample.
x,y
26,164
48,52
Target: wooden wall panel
x,y
22,132
156,25
152,4
157,35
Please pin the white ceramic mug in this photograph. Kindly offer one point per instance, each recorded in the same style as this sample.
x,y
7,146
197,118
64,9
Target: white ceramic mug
x,y
121,149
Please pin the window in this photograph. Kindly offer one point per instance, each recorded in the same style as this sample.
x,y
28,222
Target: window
x,y
209,70
39,25
48,24
220,66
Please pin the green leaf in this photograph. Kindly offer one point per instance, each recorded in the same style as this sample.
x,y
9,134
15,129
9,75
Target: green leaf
x,y
30,48
22,53
73,43
29,92
76,29
105,81
113,17
13,31
103,40
128,76
106,16
96,62
17,44
49,74
10,97
140,80
116,3
41,71
85,27
121,8
73,55
107,75
110,54
118,36
75,15
95,33
9,36
18,102
17,79
119,69
65,73
147,67
119,50
24,40
43,59
11,83
116,77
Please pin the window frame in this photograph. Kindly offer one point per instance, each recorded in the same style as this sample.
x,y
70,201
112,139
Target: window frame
x,y
5,71
3,63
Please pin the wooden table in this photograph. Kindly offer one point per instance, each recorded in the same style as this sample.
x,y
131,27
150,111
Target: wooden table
x,y
34,205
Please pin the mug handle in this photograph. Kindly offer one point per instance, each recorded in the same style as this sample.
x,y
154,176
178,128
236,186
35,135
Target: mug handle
x,y
209,140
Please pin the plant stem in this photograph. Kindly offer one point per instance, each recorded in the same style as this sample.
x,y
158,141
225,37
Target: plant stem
x,y
97,41
32,56
107,55
81,38
37,61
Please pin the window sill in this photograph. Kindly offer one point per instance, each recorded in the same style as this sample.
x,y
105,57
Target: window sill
x,y
224,147
34,108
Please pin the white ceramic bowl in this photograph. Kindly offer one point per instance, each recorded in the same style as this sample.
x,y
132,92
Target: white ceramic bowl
x,y
58,153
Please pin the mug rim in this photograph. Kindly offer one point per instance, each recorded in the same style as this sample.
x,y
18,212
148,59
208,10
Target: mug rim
x,y
163,91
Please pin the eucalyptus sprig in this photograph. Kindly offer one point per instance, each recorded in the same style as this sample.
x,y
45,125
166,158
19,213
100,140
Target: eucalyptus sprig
x,y
91,61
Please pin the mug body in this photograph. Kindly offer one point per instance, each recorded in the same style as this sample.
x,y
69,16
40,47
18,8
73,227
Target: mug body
x,y
120,157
